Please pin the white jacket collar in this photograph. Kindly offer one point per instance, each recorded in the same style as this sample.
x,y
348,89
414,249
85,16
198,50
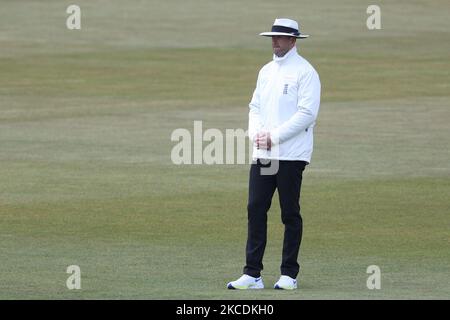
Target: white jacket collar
x,y
288,54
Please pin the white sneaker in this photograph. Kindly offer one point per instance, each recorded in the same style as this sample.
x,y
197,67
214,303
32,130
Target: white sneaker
x,y
246,282
286,283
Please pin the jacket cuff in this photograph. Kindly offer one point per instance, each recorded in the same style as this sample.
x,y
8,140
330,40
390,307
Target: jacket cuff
x,y
275,137
252,136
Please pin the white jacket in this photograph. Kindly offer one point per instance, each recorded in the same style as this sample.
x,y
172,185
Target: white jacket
x,y
285,103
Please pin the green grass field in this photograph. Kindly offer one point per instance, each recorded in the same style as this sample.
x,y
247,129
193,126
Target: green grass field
x,y
86,176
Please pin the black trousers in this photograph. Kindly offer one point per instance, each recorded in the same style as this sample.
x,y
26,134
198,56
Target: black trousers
x,y
288,181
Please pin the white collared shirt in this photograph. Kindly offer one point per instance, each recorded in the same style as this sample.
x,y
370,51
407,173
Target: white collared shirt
x,y
285,103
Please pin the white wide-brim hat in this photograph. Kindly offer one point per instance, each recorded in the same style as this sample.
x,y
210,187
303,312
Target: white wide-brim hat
x,y
285,27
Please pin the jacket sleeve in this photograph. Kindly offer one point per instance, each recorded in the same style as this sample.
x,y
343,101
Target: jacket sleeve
x,y
254,115
308,108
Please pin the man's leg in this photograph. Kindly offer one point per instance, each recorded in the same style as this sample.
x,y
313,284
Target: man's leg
x,y
261,189
289,181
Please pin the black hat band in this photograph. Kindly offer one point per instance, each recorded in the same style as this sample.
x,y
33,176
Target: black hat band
x,y
285,30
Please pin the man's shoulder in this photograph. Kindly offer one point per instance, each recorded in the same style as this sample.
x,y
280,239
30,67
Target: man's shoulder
x,y
266,67
303,65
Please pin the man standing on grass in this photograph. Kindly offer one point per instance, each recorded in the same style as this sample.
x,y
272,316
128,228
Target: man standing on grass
x,y
282,115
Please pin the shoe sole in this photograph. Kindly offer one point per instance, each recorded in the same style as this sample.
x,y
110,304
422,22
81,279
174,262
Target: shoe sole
x,y
231,287
277,287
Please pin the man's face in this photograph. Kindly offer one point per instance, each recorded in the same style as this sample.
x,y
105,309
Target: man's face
x,y
282,44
